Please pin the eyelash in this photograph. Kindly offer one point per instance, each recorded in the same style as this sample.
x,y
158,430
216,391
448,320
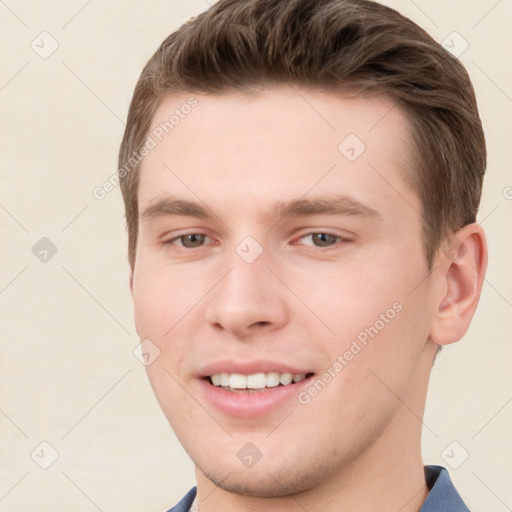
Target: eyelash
x,y
340,239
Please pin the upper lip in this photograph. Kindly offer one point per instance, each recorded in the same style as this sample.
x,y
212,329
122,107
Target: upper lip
x,y
249,368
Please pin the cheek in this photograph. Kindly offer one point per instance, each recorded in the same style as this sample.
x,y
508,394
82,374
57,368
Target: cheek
x,y
161,302
166,305
162,298
151,309
377,310
385,351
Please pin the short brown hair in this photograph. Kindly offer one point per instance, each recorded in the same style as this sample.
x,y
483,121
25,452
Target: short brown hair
x,y
328,45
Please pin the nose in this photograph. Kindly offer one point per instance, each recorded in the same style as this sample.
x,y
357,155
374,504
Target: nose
x,y
248,300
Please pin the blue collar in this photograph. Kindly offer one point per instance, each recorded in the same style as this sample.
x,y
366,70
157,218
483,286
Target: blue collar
x,y
442,495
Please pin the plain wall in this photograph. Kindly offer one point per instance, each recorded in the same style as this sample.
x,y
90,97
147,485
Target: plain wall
x,y
68,373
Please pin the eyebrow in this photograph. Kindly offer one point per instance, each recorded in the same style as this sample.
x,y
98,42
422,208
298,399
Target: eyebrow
x,y
169,206
329,205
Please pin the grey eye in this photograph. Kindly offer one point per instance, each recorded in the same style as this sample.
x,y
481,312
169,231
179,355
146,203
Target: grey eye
x,y
194,240
323,239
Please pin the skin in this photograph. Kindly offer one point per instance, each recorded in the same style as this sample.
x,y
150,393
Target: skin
x,y
356,444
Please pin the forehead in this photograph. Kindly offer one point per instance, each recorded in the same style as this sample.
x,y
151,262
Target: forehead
x,y
281,140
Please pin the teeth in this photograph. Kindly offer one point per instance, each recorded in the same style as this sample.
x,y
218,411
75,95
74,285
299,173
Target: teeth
x,y
237,381
285,379
255,381
272,380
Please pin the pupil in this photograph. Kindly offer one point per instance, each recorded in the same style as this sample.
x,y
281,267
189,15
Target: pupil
x,y
323,239
193,240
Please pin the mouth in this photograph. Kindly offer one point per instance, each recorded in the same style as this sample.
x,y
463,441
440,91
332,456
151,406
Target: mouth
x,y
256,382
252,388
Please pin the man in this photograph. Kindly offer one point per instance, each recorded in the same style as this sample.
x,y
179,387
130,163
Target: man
x,y
301,181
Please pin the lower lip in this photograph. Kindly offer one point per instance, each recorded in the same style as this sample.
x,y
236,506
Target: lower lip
x,y
250,405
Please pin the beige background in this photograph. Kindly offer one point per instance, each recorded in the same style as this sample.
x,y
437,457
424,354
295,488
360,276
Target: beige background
x,y
68,375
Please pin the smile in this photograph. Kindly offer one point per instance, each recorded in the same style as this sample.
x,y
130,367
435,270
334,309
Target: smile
x,y
253,395
239,382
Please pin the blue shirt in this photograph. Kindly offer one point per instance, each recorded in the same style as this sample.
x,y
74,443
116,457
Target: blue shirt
x,y
443,497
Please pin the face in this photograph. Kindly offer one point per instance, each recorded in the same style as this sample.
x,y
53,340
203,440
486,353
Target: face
x,y
281,278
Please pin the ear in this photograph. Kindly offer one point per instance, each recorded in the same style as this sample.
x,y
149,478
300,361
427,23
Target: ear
x,y
461,266
131,282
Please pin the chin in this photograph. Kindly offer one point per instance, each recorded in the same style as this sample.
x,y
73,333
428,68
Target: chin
x,y
270,479
261,484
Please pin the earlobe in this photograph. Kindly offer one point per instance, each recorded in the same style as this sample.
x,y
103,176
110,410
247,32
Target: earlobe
x,y
462,265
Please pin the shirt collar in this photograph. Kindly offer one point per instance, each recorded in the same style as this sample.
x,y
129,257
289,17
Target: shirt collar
x,y
442,495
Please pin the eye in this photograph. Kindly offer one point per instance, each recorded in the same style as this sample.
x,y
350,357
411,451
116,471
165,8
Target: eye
x,y
189,241
322,239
